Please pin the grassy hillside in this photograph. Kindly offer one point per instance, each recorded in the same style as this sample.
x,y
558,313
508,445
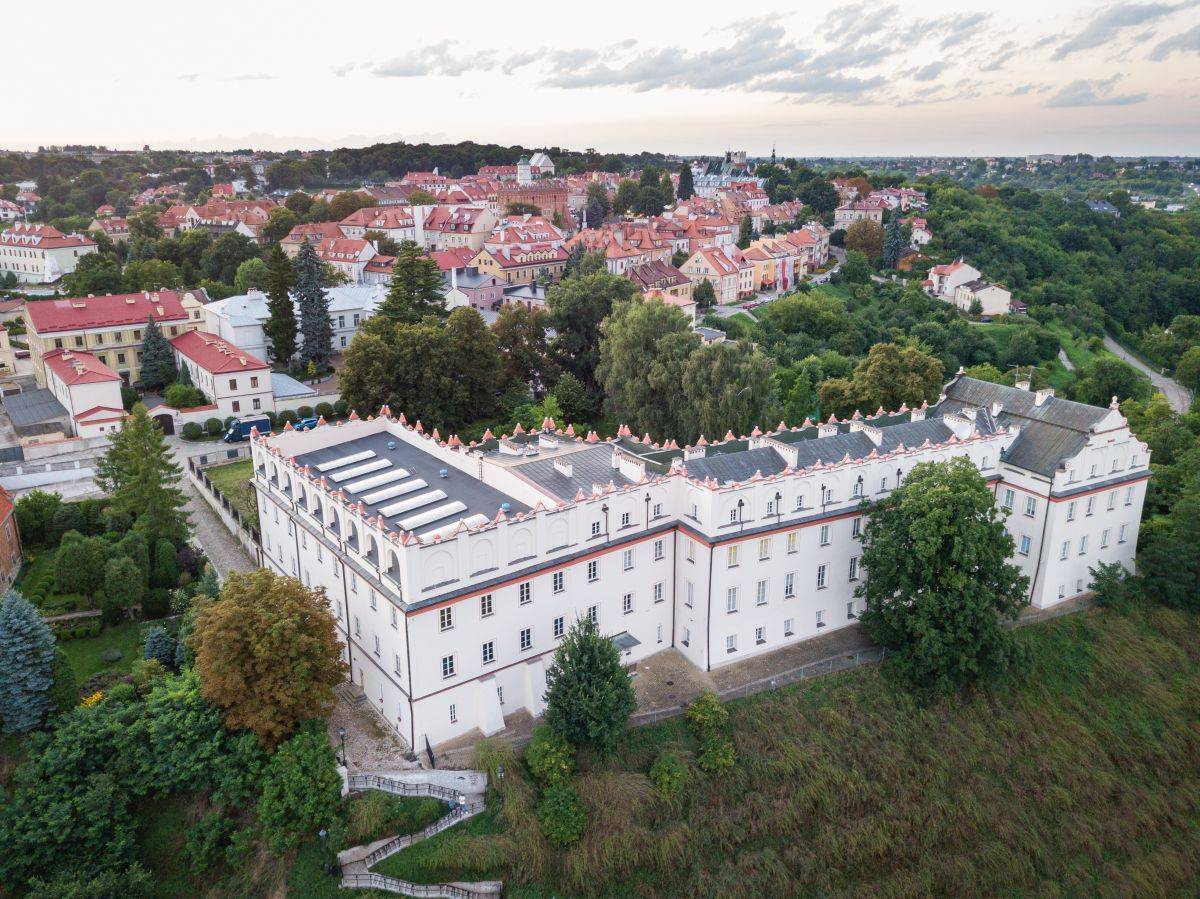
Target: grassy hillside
x,y
1081,779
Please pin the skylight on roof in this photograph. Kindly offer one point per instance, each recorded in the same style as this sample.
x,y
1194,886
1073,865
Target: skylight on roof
x,y
359,470
391,492
377,480
421,518
346,460
407,505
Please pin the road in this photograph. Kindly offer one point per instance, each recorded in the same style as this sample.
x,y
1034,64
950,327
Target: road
x,y
1177,395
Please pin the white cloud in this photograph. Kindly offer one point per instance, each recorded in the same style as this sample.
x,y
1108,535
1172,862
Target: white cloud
x,y
1093,92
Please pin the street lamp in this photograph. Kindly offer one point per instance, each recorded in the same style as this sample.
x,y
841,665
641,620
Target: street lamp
x,y
741,503
324,835
778,506
342,737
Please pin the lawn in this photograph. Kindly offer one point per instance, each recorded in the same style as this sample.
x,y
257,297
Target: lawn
x,y
233,480
85,652
1080,778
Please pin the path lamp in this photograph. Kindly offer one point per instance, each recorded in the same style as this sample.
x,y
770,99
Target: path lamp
x,y
324,835
342,737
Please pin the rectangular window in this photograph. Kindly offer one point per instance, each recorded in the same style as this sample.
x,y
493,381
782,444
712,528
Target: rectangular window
x,y
1129,496
764,549
446,618
1030,506
820,617
1104,538
733,515
593,571
526,638
1071,511
856,527
690,595
789,627
357,627
658,550
233,383
850,611
793,541
731,643
447,666
396,662
1023,549
376,636
257,403
731,600
760,594
453,713
254,382
1112,500
691,550
395,618
627,603
1008,500
557,581
1066,549
824,535
485,605
770,507
525,593
1083,545
656,512
658,592
1091,505
558,626
760,636
627,560
883,485
595,529
732,558
594,614
853,568
789,585
1121,533
624,519
820,577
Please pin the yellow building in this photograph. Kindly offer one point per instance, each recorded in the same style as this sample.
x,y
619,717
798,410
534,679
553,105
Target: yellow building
x,y
110,327
522,265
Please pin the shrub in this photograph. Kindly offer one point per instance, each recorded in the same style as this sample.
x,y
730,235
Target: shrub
x,y
117,521
65,691
112,612
213,426
184,396
716,755
707,715
272,418
35,516
190,560
146,673
669,774
1110,585
228,422
305,411
550,758
563,815
166,568
288,415
341,408
325,410
160,646
156,603
301,789
123,582
121,693
68,517
206,841
192,431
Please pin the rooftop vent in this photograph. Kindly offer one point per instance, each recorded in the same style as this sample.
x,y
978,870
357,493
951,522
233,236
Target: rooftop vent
x,y
563,466
505,507
391,444
442,473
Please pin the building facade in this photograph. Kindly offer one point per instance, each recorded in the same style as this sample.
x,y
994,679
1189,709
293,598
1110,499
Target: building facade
x,y
40,254
454,571
11,554
88,389
236,382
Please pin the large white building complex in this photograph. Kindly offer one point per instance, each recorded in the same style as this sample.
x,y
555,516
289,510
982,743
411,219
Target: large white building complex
x,y
454,570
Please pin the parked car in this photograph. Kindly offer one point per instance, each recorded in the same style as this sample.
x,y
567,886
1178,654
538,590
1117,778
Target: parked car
x,y
304,424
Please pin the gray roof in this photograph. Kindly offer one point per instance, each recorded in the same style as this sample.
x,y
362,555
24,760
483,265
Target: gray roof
x,y
1051,432
33,407
458,486
738,466
284,386
589,466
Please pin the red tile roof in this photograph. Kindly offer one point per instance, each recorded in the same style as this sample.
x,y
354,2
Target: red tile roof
x,y
41,237
215,355
78,368
109,311
455,257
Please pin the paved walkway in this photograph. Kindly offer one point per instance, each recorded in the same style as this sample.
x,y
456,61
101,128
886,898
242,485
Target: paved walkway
x,y
1065,360
1177,395
370,744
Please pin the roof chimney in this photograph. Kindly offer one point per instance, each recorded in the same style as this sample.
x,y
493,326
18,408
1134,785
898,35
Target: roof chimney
x,y
1042,395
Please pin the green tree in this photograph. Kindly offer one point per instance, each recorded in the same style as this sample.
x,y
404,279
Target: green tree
x,y
562,814
895,242
251,274
282,219
820,195
123,583
138,472
65,691
589,697
745,233
598,205
35,516
1187,369
939,582
301,789
26,665
416,289
273,632
1107,377
577,404
221,259
577,306
157,368
524,352
166,568
705,295
857,268
894,374
626,197
160,646
152,274
316,327
686,189
79,567
727,386
280,326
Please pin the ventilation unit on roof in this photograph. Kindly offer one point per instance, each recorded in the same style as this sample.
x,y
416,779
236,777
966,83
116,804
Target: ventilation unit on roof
x,y
504,507
391,444
442,473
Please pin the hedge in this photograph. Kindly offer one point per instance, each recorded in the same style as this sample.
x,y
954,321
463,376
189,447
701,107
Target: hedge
x,y
213,426
192,431
305,411
324,410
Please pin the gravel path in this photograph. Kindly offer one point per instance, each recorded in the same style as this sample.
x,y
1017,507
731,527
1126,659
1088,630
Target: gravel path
x,y
1177,395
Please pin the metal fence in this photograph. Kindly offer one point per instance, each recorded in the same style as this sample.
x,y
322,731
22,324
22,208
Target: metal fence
x,y
391,847
373,881
400,787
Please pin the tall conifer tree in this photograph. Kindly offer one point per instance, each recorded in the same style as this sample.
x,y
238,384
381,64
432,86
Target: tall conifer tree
x,y
280,326
316,327
157,368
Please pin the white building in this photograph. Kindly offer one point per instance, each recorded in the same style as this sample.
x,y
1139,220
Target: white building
x,y
239,319
994,299
88,389
454,571
40,254
236,382
944,280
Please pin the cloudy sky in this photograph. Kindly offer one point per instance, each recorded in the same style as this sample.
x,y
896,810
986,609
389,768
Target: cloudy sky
x,y
1013,77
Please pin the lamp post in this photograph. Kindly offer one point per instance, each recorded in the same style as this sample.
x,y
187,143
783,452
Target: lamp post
x,y
604,509
324,835
342,738
740,505
647,508
778,506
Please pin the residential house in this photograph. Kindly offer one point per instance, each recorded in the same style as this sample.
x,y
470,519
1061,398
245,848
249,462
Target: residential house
x,y
396,222
116,228
448,227
944,280
10,211
661,277
88,390
523,264
313,232
110,326
40,254
994,299
858,210
11,555
921,233
348,255
718,269
236,382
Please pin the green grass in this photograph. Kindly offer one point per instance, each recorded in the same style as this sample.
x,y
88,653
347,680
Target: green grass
x,y
1080,778
85,652
233,480
375,815
41,568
